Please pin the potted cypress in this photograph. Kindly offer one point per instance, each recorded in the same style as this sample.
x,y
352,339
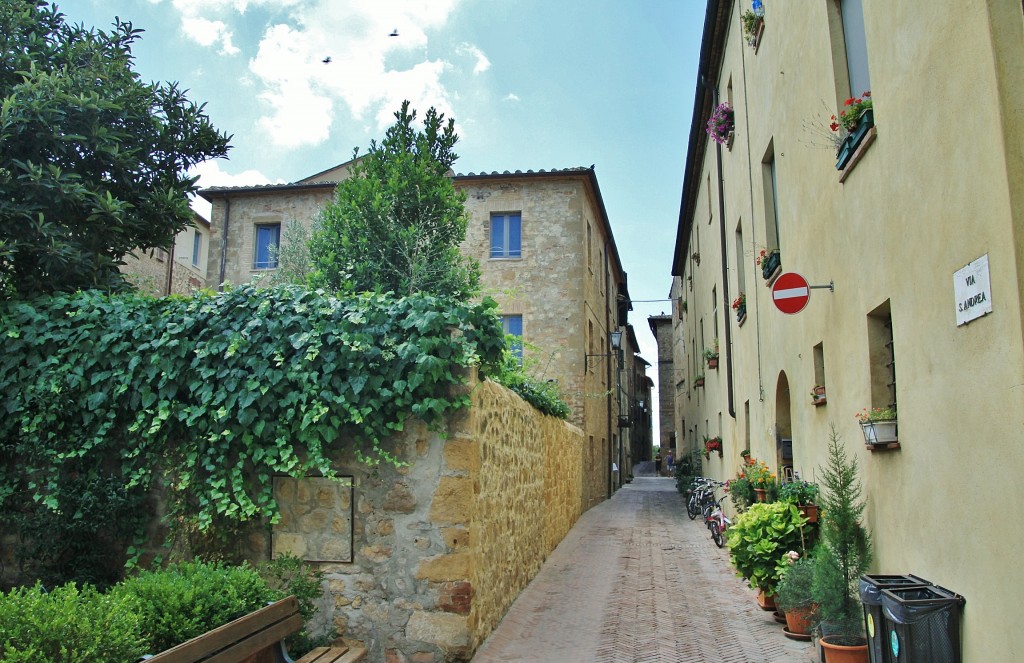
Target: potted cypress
x,y
793,595
841,557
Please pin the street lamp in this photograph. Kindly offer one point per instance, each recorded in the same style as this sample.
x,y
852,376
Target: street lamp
x,y
614,340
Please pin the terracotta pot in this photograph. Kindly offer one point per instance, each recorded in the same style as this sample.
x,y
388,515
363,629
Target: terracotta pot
x,y
798,620
766,601
843,653
809,511
761,493
713,363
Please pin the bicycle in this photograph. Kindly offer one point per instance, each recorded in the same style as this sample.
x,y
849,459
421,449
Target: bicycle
x,y
718,523
697,496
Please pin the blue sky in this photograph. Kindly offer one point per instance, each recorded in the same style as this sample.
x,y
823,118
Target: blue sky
x,y
531,84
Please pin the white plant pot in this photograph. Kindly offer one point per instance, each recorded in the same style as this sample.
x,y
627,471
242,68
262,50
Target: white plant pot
x,y
879,432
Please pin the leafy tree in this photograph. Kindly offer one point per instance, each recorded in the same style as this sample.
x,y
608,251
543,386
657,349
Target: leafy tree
x,y
92,159
397,223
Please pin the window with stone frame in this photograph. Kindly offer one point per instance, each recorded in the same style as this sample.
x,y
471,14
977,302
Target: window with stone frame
x,y
506,235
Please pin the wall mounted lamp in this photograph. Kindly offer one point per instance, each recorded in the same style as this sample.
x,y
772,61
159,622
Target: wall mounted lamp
x,y
614,340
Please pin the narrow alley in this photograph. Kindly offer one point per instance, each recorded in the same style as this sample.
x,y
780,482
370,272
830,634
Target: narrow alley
x,y
636,580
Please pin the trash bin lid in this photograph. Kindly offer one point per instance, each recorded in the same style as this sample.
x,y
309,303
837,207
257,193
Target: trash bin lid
x,y
910,605
871,586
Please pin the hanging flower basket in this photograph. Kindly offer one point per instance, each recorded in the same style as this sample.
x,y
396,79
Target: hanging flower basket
x,y
722,123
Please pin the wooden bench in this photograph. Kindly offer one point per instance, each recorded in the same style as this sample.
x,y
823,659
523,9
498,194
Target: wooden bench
x,y
255,638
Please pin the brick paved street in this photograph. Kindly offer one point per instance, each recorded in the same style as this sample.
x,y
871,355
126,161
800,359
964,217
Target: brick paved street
x,y
636,580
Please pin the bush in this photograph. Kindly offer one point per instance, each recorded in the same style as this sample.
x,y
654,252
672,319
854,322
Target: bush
x,y
794,590
688,467
290,576
69,625
759,538
185,600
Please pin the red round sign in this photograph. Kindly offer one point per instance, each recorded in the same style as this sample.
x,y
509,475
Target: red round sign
x,y
790,293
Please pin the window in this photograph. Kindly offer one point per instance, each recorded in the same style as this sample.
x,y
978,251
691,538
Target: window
x,y
513,324
740,262
197,245
771,198
268,239
882,357
506,241
856,45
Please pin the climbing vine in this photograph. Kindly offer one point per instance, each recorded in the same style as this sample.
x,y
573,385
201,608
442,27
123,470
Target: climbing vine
x,y
208,393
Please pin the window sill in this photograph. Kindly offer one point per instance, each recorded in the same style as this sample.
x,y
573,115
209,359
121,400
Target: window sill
x,y
865,143
505,259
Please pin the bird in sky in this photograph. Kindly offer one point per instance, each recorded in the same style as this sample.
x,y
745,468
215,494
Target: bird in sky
x,y
394,33
327,60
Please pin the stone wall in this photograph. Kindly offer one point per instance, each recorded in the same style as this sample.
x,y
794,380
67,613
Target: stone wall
x,y
442,545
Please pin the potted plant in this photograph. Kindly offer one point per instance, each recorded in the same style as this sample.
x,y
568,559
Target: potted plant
x,y
740,306
852,124
793,594
747,458
878,425
741,492
804,495
721,125
712,444
711,355
842,555
818,394
753,23
757,540
698,380
762,479
770,263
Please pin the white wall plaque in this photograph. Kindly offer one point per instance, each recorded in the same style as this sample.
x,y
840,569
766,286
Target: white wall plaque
x,y
973,291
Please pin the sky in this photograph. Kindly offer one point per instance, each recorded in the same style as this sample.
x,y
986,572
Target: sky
x,y
531,84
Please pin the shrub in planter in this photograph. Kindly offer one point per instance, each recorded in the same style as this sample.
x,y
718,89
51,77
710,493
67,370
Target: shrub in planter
x,y
845,550
188,599
759,538
741,492
69,625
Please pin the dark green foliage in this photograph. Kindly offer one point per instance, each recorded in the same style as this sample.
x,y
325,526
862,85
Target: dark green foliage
x,y
760,537
845,550
92,159
741,492
186,600
290,576
69,625
216,394
397,223
524,378
794,590
84,539
687,467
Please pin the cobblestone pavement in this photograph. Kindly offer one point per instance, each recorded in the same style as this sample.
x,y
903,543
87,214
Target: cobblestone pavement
x,y
636,580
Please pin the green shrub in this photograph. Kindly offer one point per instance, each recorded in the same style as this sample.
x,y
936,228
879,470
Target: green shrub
x,y
794,589
525,377
290,576
68,625
688,467
760,537
185,600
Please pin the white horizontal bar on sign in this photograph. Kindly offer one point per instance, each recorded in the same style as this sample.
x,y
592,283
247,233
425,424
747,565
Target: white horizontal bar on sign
x,y
790,293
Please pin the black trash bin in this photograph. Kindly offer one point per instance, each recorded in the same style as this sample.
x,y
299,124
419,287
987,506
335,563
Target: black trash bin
x,y
922,624
871,587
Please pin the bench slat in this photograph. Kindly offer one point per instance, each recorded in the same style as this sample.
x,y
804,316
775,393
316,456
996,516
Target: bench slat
x,y
339,654
271,623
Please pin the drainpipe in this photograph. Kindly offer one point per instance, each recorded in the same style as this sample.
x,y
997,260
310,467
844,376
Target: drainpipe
x,y
727,348
224,244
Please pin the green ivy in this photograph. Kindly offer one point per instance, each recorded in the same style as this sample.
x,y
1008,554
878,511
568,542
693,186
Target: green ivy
x,y
215,394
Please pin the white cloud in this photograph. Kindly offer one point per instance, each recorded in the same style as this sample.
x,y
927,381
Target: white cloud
x,y
207,33
511,96
482,63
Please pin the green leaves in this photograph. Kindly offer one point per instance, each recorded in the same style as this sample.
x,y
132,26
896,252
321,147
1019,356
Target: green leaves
x,y
214,391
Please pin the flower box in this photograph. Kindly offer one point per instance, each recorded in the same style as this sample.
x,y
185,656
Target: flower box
x,y
854,139
879,432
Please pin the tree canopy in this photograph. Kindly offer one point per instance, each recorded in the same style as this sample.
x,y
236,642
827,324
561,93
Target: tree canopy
x,y
397,223
93,160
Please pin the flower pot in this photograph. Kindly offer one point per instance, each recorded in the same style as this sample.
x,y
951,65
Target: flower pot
x,y
837,652
761,493
879,432
713,363
809,511
698,383
799,620
766,601
771,263
853,140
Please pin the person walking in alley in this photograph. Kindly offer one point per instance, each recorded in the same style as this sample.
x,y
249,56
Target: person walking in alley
x,y
657,463
670,463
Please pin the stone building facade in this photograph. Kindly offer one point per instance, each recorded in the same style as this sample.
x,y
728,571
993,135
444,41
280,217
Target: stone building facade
x,y
917,223
180,270
661,328
555,273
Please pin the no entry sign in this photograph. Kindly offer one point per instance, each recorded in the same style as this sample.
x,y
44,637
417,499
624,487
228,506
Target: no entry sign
x,y
790,293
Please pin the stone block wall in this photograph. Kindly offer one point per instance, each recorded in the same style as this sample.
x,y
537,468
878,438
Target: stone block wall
x,y
442,545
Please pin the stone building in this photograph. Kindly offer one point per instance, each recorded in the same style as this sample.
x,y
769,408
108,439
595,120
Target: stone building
x,y
914,223
157,273
547,256
661,328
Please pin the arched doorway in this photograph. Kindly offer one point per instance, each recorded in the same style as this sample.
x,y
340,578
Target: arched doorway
x,y
783,428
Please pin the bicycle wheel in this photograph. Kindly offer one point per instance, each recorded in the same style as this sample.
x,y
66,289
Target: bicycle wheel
x,y
716,534
691,506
